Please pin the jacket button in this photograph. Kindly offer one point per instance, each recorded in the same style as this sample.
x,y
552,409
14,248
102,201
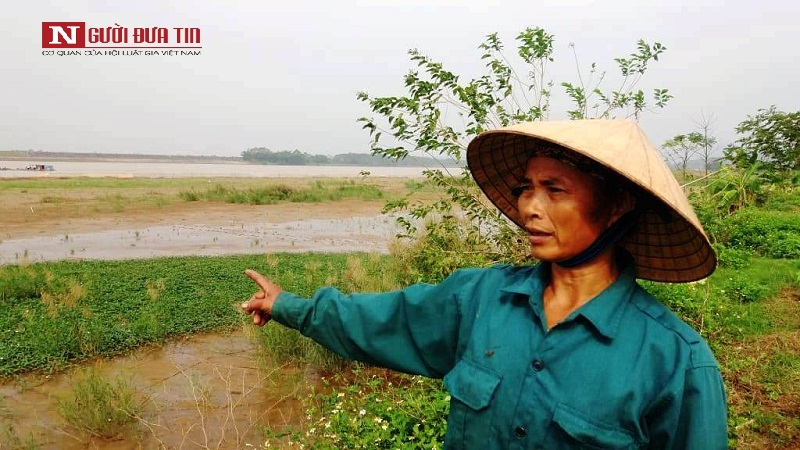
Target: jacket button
x,y
520,432
538,365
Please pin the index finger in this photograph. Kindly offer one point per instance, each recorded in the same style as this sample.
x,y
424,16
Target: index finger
x,y
259,279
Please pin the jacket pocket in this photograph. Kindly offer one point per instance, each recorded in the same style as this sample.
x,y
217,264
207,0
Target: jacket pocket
x,y
471,388
573,429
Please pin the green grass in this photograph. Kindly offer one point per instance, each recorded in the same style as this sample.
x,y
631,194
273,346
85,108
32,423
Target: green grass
x,y
93,182
319,191
729,305
55,314
368,409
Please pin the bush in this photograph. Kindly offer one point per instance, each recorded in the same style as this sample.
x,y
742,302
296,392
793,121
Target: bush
x,y
441,248
745,290
773,234
731,258
383,411
20,283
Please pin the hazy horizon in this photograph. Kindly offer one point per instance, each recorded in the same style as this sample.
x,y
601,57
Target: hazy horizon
x,y
285,76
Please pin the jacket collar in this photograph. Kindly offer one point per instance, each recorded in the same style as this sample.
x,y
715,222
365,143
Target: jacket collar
x,y
604,312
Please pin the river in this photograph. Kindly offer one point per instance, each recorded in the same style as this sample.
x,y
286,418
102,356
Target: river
x,y
128,169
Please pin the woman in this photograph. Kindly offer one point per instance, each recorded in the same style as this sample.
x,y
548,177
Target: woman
x,y
570,353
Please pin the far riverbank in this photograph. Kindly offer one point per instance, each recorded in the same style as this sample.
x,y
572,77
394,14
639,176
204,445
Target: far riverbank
x,y
181,170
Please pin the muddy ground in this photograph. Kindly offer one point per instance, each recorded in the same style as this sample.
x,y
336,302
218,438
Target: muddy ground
x,y
203,391
91,223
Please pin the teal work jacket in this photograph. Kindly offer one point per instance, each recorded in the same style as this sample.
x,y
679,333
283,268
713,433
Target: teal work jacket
x,y
621,372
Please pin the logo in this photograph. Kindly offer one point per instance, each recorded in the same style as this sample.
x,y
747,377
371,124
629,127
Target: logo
x,y
70,36
63,34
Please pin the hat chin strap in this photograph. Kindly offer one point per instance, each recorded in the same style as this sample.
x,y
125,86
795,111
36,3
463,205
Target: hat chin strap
x,y
607,238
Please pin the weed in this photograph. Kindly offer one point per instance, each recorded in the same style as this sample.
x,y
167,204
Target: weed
x,y
320,191
374,409
99,406
13,440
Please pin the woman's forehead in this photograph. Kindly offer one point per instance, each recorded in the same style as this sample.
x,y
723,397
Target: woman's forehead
x,y
552,168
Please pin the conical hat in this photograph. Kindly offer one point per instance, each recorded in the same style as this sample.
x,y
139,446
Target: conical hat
x,y
667,244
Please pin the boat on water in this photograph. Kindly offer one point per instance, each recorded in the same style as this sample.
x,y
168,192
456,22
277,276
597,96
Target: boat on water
x,y
40,167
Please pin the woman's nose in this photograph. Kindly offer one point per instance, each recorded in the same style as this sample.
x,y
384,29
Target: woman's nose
x,y
530,206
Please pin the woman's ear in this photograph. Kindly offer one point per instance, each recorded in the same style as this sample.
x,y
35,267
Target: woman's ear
x,y
624,202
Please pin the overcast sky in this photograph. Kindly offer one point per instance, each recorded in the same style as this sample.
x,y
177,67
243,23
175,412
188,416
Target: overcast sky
x,y
284,75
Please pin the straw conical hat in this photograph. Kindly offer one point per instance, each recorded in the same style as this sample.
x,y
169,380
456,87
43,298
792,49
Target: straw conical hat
x,y
667,244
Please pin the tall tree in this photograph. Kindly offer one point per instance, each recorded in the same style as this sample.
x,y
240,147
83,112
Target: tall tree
x,y
705,125
771,137
441,112
683,148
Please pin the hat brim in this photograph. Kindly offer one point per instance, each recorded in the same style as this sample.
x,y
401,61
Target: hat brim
x,y
667,243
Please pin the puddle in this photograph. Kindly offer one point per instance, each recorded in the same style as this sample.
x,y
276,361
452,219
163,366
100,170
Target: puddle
x,y
361,234
206,391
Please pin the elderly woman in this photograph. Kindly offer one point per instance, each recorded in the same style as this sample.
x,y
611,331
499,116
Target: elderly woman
x,y
570,353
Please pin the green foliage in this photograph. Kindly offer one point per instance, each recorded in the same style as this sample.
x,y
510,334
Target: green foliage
x,y
773,234
80,309
771,137
320,191
730,189
21,283
729,304
374,412
371,273
731,258
261,155
99,406
682,148
441,112
445,245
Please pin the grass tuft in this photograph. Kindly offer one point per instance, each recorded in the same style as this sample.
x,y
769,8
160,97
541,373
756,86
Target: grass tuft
x,y
100,406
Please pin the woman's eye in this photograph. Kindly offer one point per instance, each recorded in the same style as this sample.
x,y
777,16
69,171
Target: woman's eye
x,y
520,188
554,189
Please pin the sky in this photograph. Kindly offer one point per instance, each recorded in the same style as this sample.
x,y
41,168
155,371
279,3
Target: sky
x,y
284,75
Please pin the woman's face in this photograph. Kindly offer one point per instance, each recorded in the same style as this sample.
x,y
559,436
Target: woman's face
x,y
561,209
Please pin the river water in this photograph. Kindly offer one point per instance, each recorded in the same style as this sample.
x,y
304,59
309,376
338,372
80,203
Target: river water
x,y
177,170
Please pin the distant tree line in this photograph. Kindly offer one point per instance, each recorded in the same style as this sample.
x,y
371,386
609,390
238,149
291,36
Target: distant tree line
x,y
262,155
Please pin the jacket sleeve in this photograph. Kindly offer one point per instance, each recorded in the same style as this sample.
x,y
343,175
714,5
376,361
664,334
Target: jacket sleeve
x,y
697,417
703,420
414,330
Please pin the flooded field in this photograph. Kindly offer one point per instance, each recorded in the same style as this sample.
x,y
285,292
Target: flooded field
x,y
201,391
354,234
207,391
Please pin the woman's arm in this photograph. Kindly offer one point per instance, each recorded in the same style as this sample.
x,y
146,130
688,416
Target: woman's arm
x,y
414,330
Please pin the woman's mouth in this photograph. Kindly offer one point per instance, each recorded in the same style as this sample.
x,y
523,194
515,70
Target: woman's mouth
x,y
537,237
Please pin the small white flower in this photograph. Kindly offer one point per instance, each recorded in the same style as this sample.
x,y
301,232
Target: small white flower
x,y
384,426
363,412
340,394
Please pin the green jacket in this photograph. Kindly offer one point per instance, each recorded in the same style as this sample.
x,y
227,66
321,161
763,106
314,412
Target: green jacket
x,y
622,371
